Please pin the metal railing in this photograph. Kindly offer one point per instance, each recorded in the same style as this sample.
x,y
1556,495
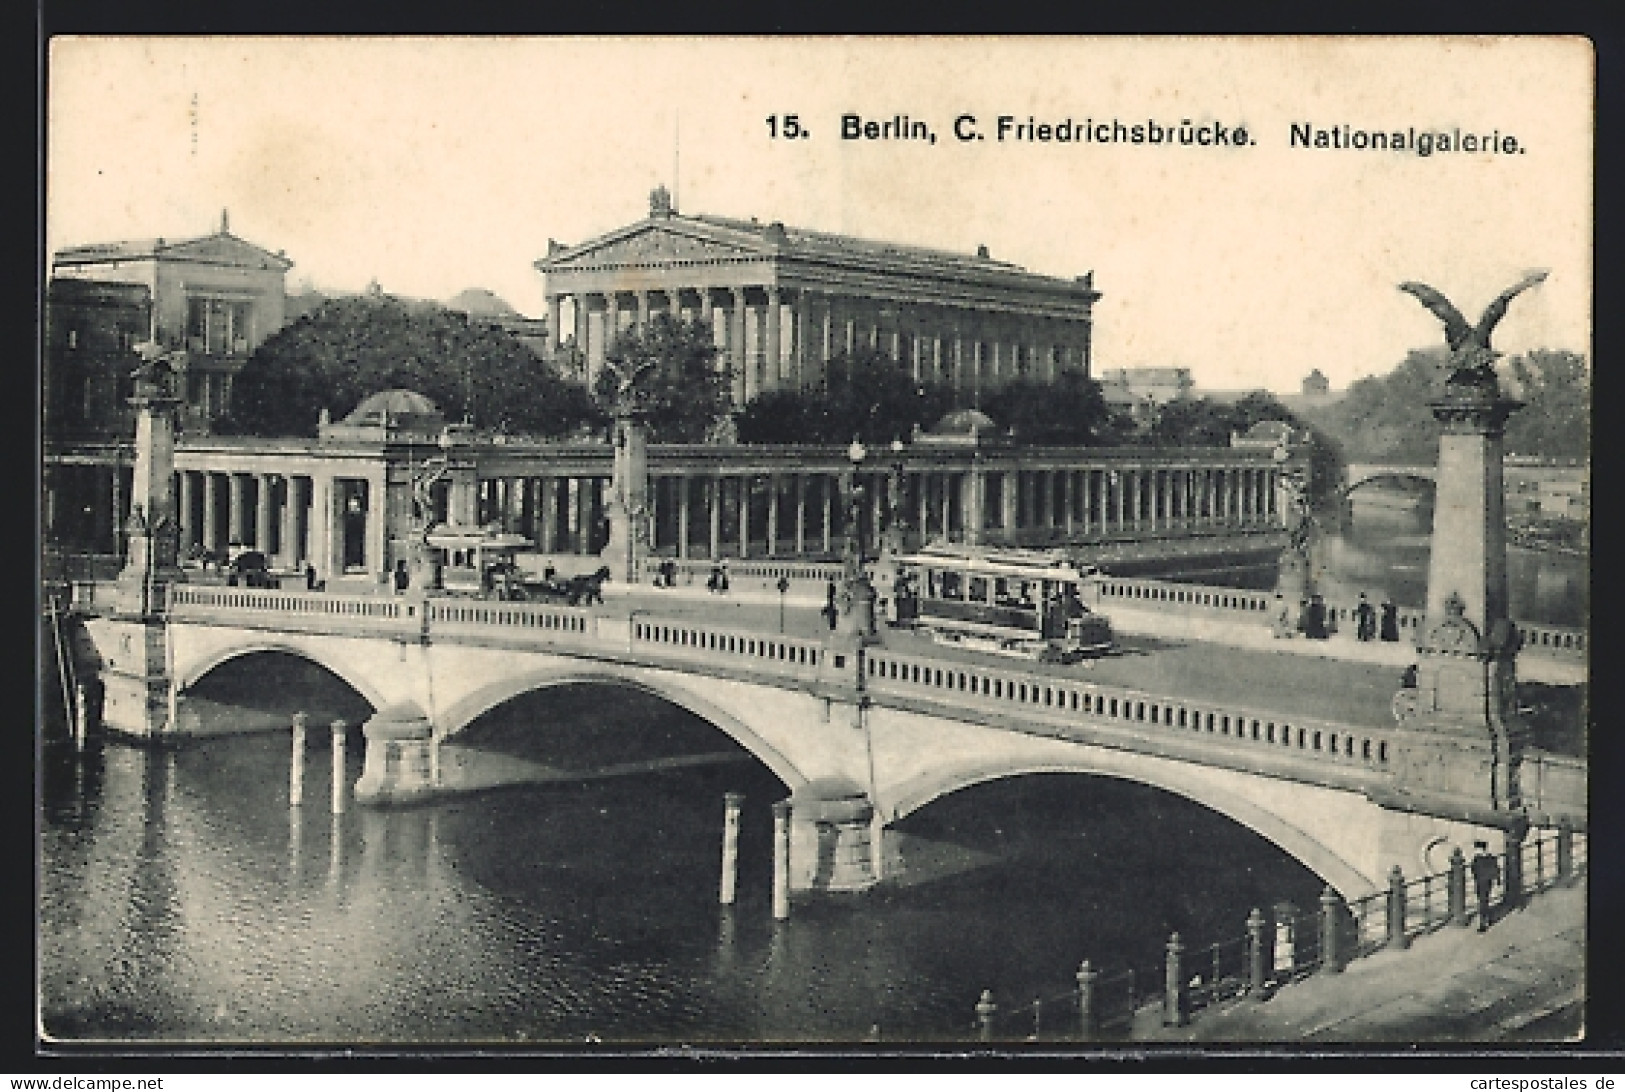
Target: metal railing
x,y
1280,947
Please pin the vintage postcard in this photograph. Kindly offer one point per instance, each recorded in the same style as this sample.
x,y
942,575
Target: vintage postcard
x,y
743,542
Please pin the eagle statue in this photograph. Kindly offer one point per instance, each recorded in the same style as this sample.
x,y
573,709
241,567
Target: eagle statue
x,y
1469,345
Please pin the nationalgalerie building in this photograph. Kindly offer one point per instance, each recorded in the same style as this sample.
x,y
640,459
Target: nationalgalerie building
x,y
783,300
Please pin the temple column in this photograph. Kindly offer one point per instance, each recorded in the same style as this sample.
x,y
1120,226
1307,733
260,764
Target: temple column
x,y
612,320
584,515
236,510
738,354
1120,483
262,514
582,316
1088,502
555,315
773,353
1009,483
642,327
798,342
1069,501
744,514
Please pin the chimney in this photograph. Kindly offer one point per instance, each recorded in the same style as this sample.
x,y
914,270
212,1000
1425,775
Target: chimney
x,y
981,251
225,222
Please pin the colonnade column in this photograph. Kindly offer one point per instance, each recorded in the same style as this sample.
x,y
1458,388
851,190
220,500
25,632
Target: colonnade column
x,y
713,499
772,515
262,514
287,545
236,509
680,482
827,495
801,514
211,512
188,523
744,514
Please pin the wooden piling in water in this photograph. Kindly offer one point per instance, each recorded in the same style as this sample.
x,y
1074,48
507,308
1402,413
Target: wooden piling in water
x,y
338,767
296,767
731,804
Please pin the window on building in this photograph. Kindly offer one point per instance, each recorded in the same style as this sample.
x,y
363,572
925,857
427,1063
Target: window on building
x,y
73,339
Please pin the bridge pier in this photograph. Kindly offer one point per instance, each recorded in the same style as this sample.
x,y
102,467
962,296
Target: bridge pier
x,y
832,827
399,767
136,685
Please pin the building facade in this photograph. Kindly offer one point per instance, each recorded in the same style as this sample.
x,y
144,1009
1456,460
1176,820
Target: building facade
x,y
782,301
215,296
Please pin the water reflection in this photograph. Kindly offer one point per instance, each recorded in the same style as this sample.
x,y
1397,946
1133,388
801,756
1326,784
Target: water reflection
x,y
184,899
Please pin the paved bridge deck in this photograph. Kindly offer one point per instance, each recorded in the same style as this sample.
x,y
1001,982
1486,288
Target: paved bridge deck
x,y
1304,686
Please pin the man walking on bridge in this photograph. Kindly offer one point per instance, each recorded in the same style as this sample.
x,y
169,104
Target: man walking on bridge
x,y
1486,872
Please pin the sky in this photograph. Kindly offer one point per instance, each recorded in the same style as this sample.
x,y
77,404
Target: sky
x,y
432,165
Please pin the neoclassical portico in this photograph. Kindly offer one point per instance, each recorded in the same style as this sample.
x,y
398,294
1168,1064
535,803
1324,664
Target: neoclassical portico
x,y
783,301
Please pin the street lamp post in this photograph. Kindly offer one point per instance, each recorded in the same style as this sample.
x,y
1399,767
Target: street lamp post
x,y
857,600
894,513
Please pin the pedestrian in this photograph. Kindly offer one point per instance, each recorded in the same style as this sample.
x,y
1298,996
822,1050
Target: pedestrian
x,y
310,577
1486,874
1316,628
829,610
1407,678
1303,617
1282,616
1365,619
403,578
722,577
1390,621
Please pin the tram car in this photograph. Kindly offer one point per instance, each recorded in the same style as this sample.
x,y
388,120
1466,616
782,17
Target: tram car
x,y
1015,602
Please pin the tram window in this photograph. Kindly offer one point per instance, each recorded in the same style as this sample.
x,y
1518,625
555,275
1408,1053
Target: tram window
x,y
978,589
952,586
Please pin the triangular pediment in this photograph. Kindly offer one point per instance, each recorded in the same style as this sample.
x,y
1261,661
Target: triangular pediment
x,y
656,243
224,250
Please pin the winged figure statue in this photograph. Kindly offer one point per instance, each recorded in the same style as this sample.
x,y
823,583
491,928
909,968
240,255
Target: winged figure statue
x,y
1469,345
626,377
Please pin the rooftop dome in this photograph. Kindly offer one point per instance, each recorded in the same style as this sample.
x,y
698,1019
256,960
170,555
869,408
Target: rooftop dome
x,y
963,422
380,408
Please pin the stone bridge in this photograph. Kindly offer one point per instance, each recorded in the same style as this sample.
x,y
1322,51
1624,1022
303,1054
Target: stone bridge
x,y
890,730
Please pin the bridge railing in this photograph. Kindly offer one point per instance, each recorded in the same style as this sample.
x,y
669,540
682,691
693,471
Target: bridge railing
x,y
1205,600
773,653
1301,747
369,611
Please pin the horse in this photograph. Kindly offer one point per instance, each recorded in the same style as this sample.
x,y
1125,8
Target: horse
x,y
586,590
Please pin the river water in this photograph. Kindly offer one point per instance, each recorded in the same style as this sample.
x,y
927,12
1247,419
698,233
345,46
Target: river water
x,y
1384,553
182,899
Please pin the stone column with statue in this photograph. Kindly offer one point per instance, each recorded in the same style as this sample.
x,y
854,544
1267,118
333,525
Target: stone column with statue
x,y
152,531
1461,738
1298,569
628,508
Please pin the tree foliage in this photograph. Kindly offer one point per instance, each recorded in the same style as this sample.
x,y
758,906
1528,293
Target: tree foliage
x,y
679,381
867,394
1386,419
1202,422
1555,386
352,347
1071,410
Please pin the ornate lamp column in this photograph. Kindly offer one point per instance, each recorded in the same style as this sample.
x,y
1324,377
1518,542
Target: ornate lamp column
x,y
856,599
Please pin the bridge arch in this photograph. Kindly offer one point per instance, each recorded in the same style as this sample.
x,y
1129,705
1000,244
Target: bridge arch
x,y
1389,474
1308,850
191,674
466,710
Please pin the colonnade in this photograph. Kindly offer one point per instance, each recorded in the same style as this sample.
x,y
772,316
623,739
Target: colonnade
x,y
717,513
773,337
334,523
352,518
